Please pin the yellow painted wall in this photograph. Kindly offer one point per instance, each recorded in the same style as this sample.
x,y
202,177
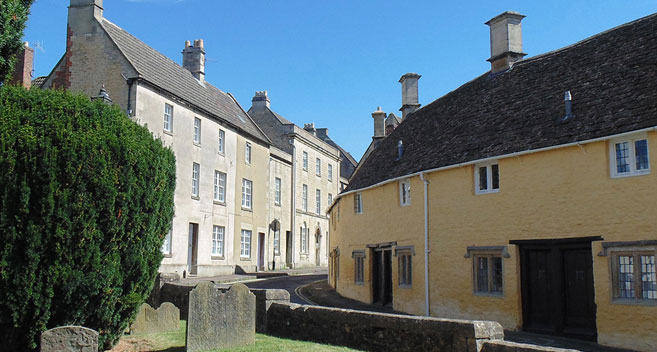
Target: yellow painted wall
x,y
561,193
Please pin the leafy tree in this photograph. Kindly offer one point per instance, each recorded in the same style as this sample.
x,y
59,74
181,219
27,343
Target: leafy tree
x,y
86,196
13,15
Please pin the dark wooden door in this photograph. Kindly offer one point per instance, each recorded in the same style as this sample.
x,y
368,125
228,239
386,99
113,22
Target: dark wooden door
x,y
557,287
382,276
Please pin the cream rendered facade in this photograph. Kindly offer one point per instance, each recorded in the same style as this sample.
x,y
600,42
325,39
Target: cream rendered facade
x,y
577,198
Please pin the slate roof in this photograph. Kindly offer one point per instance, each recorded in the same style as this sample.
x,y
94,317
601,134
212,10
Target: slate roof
x,y
274,126
612,78
37,82
164,73
348,163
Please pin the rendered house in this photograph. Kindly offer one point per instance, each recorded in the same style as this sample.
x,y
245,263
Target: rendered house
x,y
223,221
306,177
526,196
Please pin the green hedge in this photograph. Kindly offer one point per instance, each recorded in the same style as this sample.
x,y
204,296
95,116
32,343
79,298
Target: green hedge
x,y
86,196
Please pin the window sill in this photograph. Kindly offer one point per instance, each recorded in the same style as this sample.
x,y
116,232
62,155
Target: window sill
x,y
404,204
221,153
196,197
168,255
489,294
487,192
214,257
277,204
634,302
359,283
245,259
197,144
170,133
218,202
247,209
631,174
405,286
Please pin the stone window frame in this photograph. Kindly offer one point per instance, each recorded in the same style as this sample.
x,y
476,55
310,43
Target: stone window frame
x,y
359,266
358,203
405,192
304,198
492,168
167,123
277,191
628,248
404,256
248,153
196,180
222,142
631,141
304,160
318,167
247,194
489,252
329,172
219,196
318,201
277,242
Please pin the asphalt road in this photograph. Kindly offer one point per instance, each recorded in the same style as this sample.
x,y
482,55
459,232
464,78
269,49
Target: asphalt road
x,y
288,283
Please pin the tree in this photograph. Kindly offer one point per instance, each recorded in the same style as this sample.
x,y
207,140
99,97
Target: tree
x,y
13,15
86,197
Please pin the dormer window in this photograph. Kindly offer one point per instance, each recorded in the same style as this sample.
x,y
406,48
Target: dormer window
x,y
629,156
487,178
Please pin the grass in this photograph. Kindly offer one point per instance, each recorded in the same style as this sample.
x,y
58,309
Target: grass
x,y
175,342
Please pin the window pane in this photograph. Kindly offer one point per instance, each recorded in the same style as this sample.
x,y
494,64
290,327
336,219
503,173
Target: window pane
x,y
648,280
625,276
483,178
496,275
222,136
195,178
482,274
495,171
641,152
622,158
197,130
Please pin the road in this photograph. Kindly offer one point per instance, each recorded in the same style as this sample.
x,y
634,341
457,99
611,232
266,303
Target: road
x,y
288,283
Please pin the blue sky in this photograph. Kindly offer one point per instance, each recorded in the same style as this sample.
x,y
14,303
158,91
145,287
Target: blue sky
x,y
333,62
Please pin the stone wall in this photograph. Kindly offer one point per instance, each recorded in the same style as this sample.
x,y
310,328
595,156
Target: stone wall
x,y
378,331
505,346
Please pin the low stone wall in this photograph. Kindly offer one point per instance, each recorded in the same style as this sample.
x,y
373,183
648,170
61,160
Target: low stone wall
x,y
506,346
264,299
378,331
176,294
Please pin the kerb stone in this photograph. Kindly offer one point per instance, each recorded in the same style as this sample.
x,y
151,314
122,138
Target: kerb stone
x,y
69,339
220,320
149,320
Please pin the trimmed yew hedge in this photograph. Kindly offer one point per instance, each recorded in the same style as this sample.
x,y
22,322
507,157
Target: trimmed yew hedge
x,y
86,196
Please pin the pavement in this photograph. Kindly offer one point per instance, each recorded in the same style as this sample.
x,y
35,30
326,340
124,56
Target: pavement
x,y
246,277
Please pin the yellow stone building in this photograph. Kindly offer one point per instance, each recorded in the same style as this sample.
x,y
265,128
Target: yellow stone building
x,y
526,196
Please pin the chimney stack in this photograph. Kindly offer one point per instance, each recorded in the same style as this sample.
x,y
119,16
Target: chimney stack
x,y
310,127
260,100
505,41
379,117
194,59
410,100
81,15
23,67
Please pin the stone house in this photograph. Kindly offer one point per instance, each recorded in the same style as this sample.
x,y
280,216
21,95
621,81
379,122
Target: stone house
x,y
305,177
222,221
526,196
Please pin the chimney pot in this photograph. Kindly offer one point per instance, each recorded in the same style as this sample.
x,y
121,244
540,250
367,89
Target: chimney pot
x,y
505,40
410,99
194,59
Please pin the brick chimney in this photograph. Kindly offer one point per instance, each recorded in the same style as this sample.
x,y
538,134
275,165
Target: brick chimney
x,y
379,117
23,67
260,100
194,59
505,41
410,100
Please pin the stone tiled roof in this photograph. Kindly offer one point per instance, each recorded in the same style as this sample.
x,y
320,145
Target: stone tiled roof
x,y
612,77
164,73
275,127
37,82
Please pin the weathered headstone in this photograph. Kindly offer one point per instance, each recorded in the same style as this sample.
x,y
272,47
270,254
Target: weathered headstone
x,y
220,320
149,320
69,339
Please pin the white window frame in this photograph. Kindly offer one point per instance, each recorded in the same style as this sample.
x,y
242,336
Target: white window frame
x,y
197,130
489,177
218,238
247,194
277,242
330,172
358,203
305,231
304,159
318,167
330,199
304,198
166,245
318,201
630,140
168,118
245,243
405,192
277,191
219,186
222,141
196,179
247,153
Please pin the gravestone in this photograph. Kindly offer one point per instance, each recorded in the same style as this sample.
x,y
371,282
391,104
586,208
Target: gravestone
x,y
220,320
149,320
69,339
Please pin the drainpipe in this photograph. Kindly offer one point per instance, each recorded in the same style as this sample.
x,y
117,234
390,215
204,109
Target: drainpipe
x,y
426,244
294,198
